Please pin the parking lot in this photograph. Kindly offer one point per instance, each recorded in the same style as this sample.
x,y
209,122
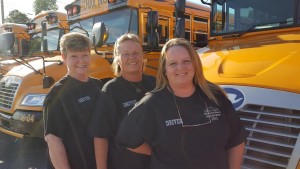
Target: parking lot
x,y
22,153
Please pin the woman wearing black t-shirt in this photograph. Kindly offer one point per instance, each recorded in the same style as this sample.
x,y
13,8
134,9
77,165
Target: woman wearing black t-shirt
x,y
118,96
68,107
188,122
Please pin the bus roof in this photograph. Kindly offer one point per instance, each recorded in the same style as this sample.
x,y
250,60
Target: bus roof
x,y
91,7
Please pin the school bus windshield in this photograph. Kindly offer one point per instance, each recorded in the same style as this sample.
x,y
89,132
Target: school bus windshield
x,y
52,37
236,16
35,43
12,51
118,22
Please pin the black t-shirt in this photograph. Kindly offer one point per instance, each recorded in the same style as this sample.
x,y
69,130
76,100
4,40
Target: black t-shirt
x,y
67,112
118,96
156,120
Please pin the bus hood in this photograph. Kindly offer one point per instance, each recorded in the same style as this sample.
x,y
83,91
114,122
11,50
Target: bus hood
x,y
23,70
272,63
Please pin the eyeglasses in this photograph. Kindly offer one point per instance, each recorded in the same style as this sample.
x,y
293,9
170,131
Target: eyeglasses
x,y
134,54
193,125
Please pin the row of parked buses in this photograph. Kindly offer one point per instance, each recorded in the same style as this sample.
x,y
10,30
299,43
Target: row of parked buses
x,y
33,71
248,47
24,87
21,35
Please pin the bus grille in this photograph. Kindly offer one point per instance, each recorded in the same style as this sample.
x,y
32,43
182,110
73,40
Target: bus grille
x,y
8,88
273,136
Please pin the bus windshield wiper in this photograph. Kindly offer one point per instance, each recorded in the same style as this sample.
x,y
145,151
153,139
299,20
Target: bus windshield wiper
x,y
263,25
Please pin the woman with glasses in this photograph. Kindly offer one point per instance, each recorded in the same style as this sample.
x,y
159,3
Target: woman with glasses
x,y
118,96
187,122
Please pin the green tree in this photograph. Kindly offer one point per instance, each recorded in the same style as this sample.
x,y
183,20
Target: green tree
x,y
15,16
44,5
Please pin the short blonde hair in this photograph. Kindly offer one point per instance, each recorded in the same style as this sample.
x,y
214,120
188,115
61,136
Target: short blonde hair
x,y
128,36
74,42
198,80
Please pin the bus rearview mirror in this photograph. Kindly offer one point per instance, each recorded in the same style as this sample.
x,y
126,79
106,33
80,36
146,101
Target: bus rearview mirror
x,y
100,35
180,6
180,28
152,21
47,81
44,29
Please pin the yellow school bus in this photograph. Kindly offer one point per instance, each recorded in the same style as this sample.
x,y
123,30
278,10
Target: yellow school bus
x,y
11,51
155,22
254,54
103,21
24,86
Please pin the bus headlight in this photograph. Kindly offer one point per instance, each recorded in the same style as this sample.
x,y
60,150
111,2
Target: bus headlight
x,y
33,100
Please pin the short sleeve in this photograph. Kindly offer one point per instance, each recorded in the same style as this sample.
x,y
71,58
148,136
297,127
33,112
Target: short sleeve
x,y
137,127
54,116
103,120
238,134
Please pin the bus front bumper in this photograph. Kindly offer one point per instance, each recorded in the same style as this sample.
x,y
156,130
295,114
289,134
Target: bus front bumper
x,y
22,124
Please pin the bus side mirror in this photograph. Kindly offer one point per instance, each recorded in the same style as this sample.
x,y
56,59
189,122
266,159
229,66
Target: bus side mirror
x,y
180,6
47,81
180,18
45,45
7,41
44,29
24,47
180,28
100,35
152,21
151,28
52,18
153,40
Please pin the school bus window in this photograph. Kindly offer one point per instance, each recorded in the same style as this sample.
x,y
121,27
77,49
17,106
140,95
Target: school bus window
x,y
35,43
53,37
260,16
84,26
144,27
200,29
133,22
163,30
217,26
246,18
119,22
187,27
298,15
231,20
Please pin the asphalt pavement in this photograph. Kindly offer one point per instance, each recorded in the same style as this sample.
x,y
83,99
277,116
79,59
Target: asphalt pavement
x,y
22,153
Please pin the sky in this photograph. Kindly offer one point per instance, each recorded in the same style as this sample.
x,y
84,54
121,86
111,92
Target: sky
x,y
25,6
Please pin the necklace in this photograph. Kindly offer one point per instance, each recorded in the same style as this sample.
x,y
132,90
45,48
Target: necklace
x,y
138,90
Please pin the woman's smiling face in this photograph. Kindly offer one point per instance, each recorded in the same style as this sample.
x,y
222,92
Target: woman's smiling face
x,y
179,68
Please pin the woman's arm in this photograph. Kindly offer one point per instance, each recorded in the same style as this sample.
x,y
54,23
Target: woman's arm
x,y
57,152
142,149
235,156
101,149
